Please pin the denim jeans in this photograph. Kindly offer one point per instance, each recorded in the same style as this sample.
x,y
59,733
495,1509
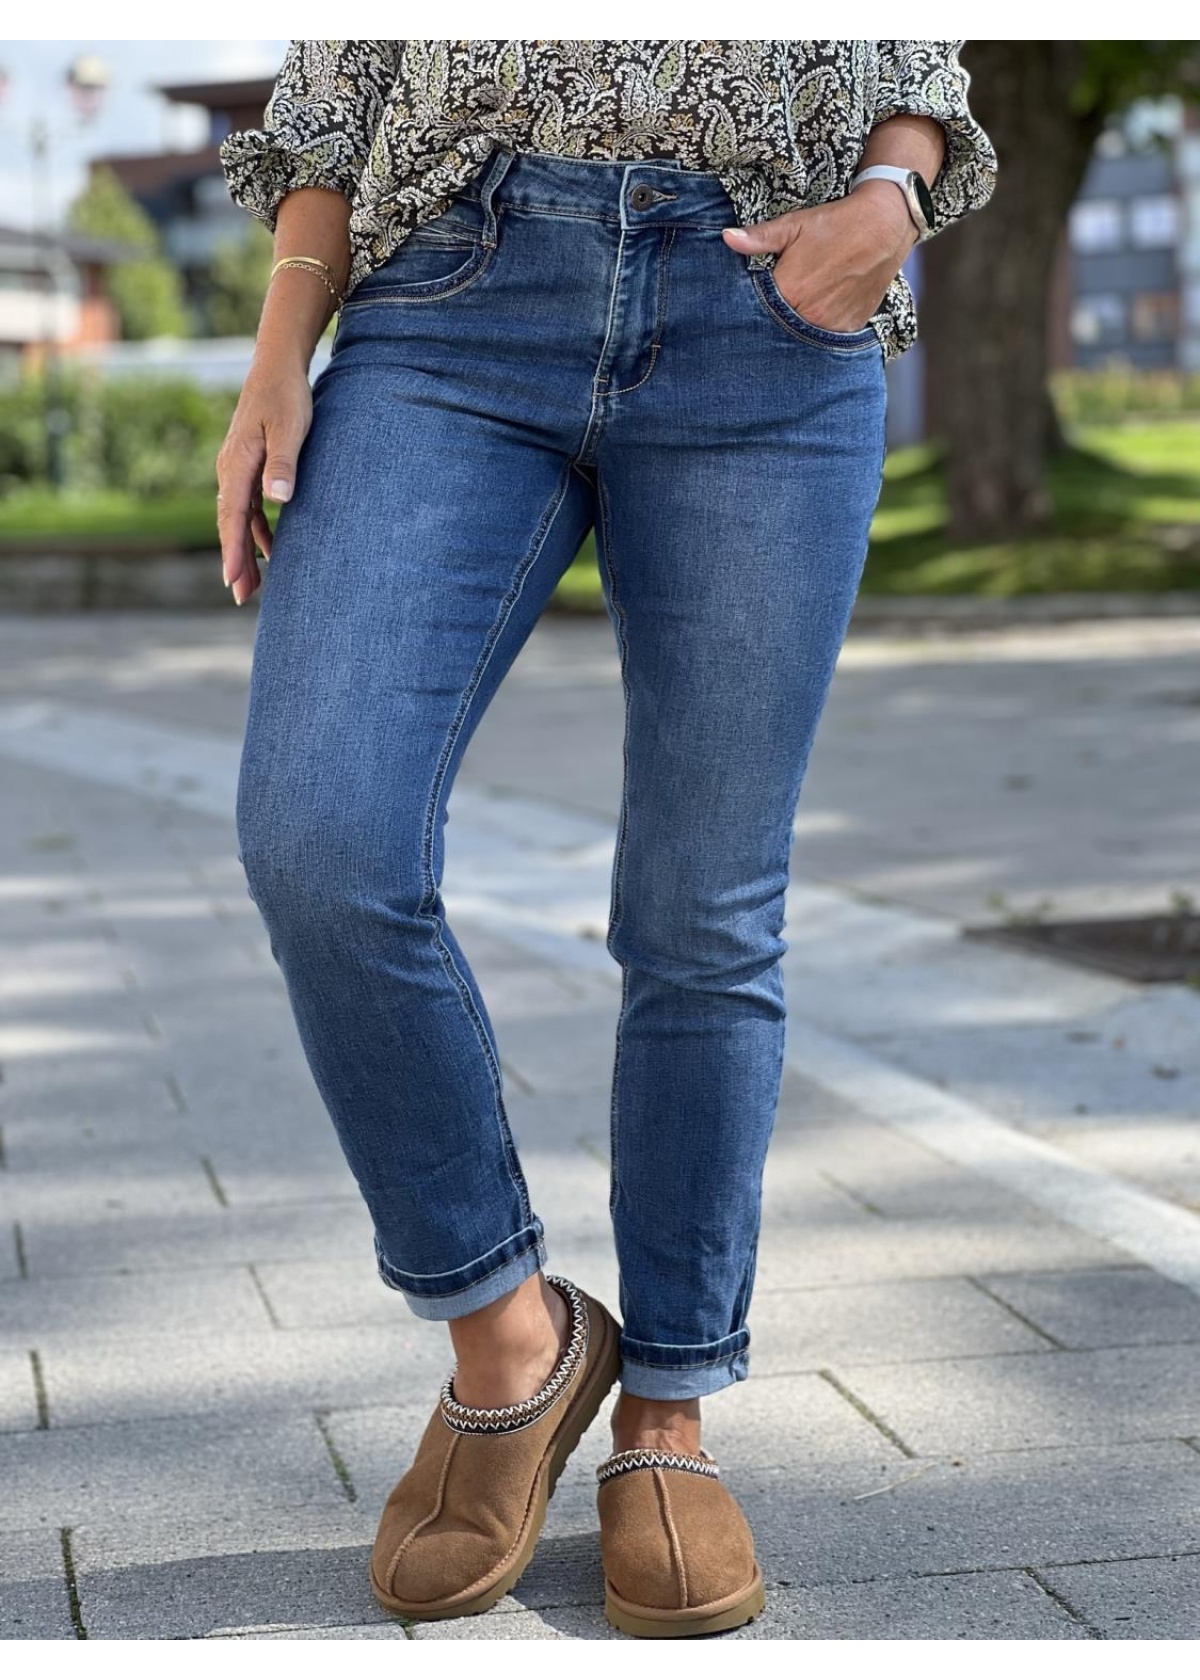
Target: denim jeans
x,y
571,343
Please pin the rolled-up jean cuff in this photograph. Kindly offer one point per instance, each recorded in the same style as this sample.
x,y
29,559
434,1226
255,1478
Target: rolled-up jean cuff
x,y
684,1373
454,1294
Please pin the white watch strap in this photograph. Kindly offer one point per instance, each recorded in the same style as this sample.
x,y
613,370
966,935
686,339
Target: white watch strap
x,y
882,172
893,172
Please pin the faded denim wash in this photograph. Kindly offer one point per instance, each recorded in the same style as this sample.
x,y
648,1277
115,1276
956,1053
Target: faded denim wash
x,y
570,343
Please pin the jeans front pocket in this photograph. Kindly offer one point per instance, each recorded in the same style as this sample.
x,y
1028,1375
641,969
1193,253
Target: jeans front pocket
x,y
438,258
824,338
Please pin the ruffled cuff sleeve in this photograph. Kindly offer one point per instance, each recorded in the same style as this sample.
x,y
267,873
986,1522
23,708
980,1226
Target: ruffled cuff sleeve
x,y
318,127
925,79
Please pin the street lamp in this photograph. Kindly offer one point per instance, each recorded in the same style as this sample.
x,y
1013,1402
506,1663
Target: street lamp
x,y
86,79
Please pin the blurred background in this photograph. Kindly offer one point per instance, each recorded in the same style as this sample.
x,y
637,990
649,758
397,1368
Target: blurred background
x,y
1045,432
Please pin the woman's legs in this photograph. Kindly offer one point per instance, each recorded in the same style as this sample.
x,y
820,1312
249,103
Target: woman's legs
x,y
383,635
736,488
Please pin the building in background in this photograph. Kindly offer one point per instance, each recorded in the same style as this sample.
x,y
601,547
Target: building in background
x,y
1188,169
184,193
52,291
1128,280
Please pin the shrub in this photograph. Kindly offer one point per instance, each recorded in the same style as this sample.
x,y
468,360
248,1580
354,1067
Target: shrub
x,y
149,436
1119,391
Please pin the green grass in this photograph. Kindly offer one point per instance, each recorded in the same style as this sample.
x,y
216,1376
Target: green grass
x,y
37,518
1127,517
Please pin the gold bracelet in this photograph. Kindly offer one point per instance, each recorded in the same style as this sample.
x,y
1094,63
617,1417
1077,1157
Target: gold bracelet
x,y
313,265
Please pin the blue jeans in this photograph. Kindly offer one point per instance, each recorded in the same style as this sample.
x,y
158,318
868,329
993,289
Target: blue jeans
x,y
571,343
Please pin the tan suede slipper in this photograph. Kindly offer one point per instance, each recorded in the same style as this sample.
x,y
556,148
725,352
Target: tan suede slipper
x,y
459,1529
678,1553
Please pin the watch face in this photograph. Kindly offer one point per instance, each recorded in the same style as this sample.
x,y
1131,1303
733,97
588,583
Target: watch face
x,y
924,197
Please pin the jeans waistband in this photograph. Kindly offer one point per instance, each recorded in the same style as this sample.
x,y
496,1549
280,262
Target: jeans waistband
x,y
655,191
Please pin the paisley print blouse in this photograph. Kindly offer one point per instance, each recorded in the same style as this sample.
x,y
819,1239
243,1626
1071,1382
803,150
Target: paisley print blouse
x,y
399,127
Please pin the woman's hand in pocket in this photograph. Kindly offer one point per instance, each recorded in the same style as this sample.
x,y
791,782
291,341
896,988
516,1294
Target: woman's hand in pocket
x,y
836,260
257,460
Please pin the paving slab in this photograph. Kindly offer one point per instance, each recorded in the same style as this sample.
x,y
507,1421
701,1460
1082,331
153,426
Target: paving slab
x,y
86,1089
371,1630
173,1487
1145,1067
870,1250
1119,1306
824,1524
12,1252
886,1323
219,1237
1161,1152
194,1301
789,1420
1141,1598
886,1174
1001,1605
18,1396
984,1606
1036,1400
190,1598
265,1168
551,1119
572,1056
520,1624
235,1374
109,1188
329,1294
54,1147
33,1589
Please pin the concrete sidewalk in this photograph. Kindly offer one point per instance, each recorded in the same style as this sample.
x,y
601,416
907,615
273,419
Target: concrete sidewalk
x,y
975,1410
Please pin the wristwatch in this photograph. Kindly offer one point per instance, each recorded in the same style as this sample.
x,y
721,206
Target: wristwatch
x,y
916,193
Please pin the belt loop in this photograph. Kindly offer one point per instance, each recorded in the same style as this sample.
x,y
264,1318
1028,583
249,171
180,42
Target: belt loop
x,y
497,168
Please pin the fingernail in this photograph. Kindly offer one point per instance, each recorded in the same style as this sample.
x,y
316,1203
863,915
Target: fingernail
x,y
225,577
280,489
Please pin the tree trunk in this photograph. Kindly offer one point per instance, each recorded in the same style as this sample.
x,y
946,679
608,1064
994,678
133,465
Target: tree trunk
x,y
985,289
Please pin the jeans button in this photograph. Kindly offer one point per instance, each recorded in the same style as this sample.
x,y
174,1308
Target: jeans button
x,y
642,198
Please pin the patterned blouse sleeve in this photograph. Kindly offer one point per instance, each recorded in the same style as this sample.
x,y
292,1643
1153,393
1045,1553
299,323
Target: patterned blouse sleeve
x,y
318,126
925,79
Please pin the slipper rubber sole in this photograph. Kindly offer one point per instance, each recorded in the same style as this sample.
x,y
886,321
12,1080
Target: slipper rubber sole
x,y
646,1623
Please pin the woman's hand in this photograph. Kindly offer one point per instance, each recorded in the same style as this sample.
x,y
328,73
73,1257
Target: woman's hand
x,y
838,259
257,459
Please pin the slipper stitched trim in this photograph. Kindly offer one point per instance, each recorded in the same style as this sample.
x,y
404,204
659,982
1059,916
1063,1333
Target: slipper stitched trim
x,y
505,1420
649,1458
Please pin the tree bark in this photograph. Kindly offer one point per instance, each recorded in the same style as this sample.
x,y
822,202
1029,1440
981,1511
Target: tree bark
x,y
985,289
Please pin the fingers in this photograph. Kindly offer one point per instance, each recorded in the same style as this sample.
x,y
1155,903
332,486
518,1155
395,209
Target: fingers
x,y
257,459
260,529
239,508
775,235
279,471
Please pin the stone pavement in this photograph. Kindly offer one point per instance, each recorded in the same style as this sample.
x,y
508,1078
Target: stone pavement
x,y
975,1409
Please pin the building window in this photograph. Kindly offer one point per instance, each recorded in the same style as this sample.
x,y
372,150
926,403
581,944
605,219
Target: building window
x,y
1154,317
1096,225
1098,320
1154,221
